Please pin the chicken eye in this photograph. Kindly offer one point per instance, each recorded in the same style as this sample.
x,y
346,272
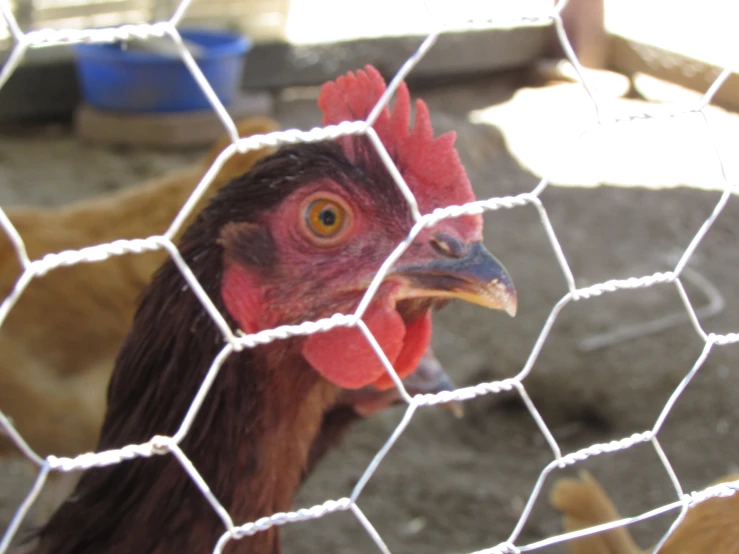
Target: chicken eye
x,y
325,218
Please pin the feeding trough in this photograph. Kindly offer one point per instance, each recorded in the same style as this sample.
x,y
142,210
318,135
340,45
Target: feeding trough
x,y
149,75
140,92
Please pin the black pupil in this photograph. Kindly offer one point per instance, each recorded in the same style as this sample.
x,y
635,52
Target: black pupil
x,y
327,217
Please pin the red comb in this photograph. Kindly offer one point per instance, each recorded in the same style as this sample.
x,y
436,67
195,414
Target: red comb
x,y
431,166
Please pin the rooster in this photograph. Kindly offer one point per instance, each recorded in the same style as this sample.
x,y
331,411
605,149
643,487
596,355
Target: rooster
x,y
297,238
710,527
56,395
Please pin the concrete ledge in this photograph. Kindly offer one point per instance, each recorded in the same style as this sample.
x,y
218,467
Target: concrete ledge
x,y
471,52
45,85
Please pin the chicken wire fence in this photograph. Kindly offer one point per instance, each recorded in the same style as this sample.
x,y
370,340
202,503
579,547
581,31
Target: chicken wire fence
x,y
235,340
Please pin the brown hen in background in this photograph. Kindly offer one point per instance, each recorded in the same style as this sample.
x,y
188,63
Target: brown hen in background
x,y
710,527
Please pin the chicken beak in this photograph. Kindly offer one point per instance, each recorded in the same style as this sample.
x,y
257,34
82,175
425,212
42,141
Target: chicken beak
x,y
476,276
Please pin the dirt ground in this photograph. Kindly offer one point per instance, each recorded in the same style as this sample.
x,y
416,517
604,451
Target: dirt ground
x,y
458,485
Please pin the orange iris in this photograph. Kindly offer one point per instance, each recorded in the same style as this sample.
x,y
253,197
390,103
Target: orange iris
x,y
325,218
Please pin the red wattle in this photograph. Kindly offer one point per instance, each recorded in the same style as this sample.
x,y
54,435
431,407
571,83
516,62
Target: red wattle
x,y
417,340
344,356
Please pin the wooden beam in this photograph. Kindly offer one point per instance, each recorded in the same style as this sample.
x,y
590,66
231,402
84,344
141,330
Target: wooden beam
x,y
631,56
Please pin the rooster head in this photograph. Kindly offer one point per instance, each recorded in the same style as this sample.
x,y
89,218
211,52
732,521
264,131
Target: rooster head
x,y
309,227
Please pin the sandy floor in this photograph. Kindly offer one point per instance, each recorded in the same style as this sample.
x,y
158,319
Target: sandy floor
x,y
459,485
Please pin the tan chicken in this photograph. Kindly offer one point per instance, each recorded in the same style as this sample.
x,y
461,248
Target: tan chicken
x,y
59,340
710,527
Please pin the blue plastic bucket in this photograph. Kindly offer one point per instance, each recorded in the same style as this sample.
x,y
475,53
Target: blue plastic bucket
x,y
113,78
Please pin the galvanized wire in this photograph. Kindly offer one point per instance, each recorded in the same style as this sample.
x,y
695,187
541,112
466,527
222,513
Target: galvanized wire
x,y
235,340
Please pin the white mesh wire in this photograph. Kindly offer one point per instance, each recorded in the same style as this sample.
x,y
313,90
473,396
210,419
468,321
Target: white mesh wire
x,y
235,340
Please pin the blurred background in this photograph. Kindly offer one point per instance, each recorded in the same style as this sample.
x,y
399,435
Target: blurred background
x,y
625,198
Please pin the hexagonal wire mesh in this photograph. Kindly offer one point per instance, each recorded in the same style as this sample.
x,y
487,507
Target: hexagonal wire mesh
x,y
236,340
